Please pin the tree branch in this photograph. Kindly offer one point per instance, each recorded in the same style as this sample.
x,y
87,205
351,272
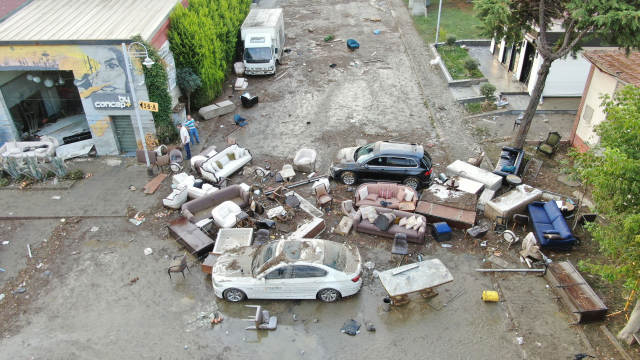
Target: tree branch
x,y
567,35
542,35
575,41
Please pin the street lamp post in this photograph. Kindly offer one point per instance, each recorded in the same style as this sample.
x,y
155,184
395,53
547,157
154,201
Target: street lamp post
x,y
438,25
148,63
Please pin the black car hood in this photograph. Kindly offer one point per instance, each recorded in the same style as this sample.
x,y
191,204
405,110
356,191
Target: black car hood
x,y
345,156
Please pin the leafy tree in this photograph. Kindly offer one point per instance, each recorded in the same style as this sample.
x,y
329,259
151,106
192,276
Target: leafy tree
x,y
203,37
188,82
451,41
471,65
615,179
614,21
487,90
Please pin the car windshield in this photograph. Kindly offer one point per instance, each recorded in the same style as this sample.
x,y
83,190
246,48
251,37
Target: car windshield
x,y
361,153
265,254
257,55
335,256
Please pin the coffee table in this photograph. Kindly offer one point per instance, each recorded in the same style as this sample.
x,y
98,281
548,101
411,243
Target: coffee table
x,y
421,277
407,206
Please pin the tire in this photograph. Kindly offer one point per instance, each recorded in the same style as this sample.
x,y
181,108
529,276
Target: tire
x,y
234,295
412,182
329,295
348,178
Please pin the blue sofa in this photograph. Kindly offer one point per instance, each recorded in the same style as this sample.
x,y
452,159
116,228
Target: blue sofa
x,y
547,219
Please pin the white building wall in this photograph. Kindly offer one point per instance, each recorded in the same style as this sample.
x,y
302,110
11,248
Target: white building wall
x,y
601,83
567,77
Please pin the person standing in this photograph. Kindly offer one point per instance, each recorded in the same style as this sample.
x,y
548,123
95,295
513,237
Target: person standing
x,y
191,125
184,137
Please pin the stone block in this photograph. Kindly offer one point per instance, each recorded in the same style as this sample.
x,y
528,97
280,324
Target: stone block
x,y
439,194
513,202
486,196
344,227
225,107
490,180
209,112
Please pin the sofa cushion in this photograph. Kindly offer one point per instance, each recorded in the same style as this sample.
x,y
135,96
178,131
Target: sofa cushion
x,y
552,211
418,223
397,229
552,236
372,197
231,156
382,222
408,195
561,225
538,214
219,165
238,153
363,192
403,221
551,232
367,225
224,160
15,151
411,221
371,214
41,150
400,195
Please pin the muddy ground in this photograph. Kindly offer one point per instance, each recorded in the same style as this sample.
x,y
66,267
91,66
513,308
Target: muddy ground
x,y
89,306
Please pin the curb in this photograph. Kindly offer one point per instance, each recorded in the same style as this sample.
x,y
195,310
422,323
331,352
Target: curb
x,y
44,188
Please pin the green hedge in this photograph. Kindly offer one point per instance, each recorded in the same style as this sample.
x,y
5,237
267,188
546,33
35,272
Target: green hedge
x,y
156,80
203,37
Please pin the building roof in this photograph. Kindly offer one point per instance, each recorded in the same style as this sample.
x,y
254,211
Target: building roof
x,y
617,64
8,6
84,21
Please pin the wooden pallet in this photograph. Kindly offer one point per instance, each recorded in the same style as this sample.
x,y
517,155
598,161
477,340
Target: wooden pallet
x,y
153,184
531,172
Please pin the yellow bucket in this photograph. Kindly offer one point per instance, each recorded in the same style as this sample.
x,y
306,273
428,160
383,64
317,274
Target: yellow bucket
x,y
490,296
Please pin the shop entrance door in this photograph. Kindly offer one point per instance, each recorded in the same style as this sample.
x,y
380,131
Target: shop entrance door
x,y
124,133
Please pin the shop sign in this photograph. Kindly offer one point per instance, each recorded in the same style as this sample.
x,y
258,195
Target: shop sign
x,y
111,101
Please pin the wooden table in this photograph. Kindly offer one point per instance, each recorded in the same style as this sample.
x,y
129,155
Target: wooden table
x,y
406,206
421,277
455,218
190,236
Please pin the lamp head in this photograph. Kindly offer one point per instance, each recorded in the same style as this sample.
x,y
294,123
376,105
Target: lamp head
x,y
148,62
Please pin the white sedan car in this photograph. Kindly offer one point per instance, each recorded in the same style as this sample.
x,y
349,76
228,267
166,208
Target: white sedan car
x,y
288,269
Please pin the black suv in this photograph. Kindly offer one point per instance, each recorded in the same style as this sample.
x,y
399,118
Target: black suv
x,y
409,164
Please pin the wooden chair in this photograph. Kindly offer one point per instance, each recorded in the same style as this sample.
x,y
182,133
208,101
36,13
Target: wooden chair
x,y
178,265
476,161
477,232
322,196
550,145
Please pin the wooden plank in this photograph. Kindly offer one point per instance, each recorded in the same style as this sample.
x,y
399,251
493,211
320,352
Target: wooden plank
x,y
532,174
615,342
151,187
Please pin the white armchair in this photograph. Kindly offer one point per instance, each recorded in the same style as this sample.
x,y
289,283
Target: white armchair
x,y
225,214
305,160
176,198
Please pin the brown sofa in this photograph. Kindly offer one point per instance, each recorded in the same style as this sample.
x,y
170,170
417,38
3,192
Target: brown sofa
x,y
373,188
200,208
363,225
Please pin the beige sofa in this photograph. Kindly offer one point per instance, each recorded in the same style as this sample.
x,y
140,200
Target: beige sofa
x,y
363,225
42,149
373,190
210,169
200,208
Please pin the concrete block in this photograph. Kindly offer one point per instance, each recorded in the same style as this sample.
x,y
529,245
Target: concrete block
x,y
225,107
513,202
469,186
209,112
418,8
439,194
344,227
490,180
486,196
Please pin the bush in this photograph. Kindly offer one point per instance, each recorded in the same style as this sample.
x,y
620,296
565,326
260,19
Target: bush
x,y
473,108
50,174
329,38
76,174
471,65
451,41
4,182
487,90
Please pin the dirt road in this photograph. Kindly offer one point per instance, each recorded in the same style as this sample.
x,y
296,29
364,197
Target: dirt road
x,y
89,307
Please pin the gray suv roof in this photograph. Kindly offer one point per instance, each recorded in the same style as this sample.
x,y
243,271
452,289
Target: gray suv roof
x,y
393,148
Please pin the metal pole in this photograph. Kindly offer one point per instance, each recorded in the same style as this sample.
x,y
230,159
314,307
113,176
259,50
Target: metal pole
x,y
135,107
438,26
511,270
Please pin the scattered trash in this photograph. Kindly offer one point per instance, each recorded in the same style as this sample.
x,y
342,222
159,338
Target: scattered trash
x,y
295,317
74,253
369,325
47,273
377,32
333,65
94,229
315,320
351,327
88,175
490,296
497,253
5,243
369,265
3,270
484,243
137,222
20,290
287,50
148,251
302,353
29,249
520,340
376,274
185,347
1,296
63,220
55,197
39,266
132,188
419,258
446,245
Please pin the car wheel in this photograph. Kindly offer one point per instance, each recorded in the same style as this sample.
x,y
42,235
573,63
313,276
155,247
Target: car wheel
x,y
328,295
412,182
348,178
234,295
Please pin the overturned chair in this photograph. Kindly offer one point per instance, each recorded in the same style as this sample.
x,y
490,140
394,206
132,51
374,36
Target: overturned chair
x,y
262,319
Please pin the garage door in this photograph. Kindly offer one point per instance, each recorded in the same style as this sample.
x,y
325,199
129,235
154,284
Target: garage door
x,y
124,133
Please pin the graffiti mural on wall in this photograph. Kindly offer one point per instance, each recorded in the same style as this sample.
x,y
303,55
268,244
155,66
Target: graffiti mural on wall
x,y
96,68
151,140
100,127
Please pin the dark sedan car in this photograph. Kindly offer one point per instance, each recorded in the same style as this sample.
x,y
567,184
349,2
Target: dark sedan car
x,y
389,161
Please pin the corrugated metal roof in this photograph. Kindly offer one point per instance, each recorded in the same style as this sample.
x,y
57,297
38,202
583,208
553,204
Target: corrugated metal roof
x,y
617,64
85,20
